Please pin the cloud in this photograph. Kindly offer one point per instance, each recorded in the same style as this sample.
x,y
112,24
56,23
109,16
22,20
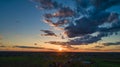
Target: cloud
x,y
63,44
32,47
35,44
64,12
48,16
46,4
28,47
87,18
104,4
58,42
83,3
69,47
84,25
93,49
113,17
50,22
99,46
48,33
88,39
84,40
108,44
61,22
2,45
56,24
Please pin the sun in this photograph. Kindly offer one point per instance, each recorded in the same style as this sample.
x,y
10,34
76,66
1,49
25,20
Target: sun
x,y
60,49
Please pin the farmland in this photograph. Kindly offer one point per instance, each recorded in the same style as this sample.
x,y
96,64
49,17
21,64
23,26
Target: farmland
x,y
59,59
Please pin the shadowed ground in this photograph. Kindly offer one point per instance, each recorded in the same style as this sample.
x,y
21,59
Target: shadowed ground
x,y
53,59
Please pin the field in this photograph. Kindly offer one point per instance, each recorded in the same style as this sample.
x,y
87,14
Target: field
x,y
60,59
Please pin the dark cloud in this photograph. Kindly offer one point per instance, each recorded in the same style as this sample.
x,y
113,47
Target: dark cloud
x,y
84,40
50,49
99,3
87,18
90,25
83,3
48,16
104,4
29,47
47,4
61,14
58,43
113,17
69,47
88,39
2,45
48,33
63,44
108,44
64,12
35,43
32,47
114,29
99,46
56,24
93,49
82,26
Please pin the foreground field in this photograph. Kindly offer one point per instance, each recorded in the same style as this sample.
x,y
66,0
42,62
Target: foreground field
x,y
52,59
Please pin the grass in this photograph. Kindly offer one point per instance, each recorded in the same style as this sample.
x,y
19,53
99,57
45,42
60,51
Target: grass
x,y
44,60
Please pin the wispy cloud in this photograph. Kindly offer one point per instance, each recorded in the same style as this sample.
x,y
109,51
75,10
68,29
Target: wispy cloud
x,y
28,47
48,33
32,47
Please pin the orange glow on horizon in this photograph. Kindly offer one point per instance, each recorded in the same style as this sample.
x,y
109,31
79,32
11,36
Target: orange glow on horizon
x,y
60,49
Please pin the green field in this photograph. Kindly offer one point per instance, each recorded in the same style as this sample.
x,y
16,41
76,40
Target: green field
x,y
61,59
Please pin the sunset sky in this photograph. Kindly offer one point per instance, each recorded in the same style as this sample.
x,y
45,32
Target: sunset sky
x,y
60,25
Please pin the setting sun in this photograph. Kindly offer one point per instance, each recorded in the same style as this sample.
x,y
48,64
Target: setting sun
x,y
60,49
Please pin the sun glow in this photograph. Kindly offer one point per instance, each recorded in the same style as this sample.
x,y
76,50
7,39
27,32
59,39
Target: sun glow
x,y
60,49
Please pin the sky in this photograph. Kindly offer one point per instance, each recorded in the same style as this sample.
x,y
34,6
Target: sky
x,y
60,25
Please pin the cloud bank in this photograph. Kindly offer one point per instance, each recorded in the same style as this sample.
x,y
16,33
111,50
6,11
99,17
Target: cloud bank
x,y
28,47
32,47
82,20
108,44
